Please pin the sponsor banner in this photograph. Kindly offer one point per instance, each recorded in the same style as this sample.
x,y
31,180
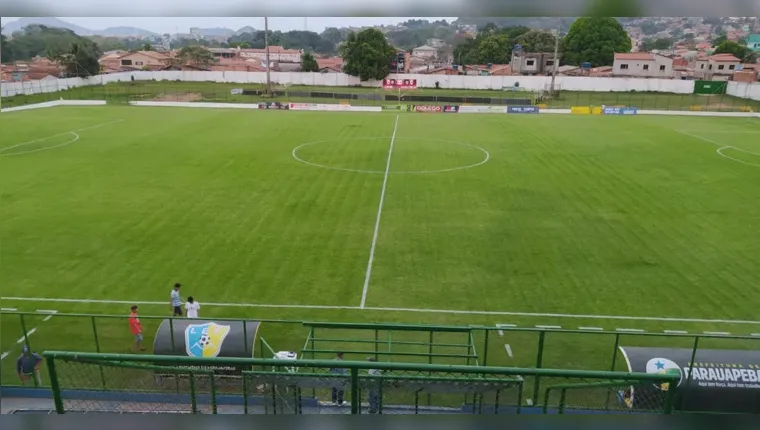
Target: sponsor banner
x,y
522,109
401,84
391,107
300,106
620,110
482,109
236,91
580,110
273,105
428,108
451,109
718,380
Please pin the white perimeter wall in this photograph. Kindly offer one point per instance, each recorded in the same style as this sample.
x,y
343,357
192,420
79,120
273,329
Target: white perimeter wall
x,y
744,90
566,83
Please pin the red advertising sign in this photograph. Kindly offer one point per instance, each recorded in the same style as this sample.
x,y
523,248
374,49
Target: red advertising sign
x,y
399,84
428,109
300,106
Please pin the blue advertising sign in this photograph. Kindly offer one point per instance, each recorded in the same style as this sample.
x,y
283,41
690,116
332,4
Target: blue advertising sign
x,y
522,109
620,111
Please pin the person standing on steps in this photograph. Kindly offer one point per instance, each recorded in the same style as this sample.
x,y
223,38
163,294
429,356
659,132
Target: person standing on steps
x,y
338,386
28,366
374,390
176,300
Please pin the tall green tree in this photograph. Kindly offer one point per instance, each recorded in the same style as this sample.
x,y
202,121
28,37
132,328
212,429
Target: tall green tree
x,y
309,63
5,49
739,51
495,48
147,47
80,59
594,40
536,41
366,54
196,55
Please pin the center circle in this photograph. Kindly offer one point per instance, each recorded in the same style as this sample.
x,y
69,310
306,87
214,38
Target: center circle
x,y
302,159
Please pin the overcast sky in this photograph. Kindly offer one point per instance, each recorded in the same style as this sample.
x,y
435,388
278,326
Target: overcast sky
x,y
182,25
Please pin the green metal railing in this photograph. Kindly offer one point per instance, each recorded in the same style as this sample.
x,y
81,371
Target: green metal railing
x,y
389,388
419,344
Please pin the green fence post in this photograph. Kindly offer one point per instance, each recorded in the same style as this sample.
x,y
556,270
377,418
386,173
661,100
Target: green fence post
x,y
485,349
245,337
562,399
213,394
691,368
670,399
612,367
546,400
193,398
55,387
26,343
97,349
520,392
355,397
539,361
171,332
377,342
245,394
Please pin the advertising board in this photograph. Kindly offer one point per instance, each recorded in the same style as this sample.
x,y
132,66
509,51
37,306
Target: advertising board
x,y
620,110
451,109
522,109
717,380
428,108
274,105
482,109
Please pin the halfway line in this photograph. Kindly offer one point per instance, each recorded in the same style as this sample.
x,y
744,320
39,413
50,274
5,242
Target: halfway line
x,y
379,213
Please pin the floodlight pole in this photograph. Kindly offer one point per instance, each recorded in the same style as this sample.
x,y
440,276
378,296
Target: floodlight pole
x,y
266,54
554,63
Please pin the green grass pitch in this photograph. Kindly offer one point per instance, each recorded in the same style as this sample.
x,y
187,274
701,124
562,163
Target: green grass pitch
x,y
558,219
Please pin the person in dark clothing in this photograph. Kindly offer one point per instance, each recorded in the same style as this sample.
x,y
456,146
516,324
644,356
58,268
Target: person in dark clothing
x,y
338,387
28,366
374,391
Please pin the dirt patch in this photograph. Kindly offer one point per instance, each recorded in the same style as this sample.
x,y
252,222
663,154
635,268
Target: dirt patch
x,y
179,97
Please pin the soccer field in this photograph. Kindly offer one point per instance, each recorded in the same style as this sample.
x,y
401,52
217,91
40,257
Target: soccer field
x,y
644,223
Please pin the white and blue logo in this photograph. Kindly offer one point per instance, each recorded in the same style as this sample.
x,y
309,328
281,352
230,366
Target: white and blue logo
x,y
205,340
663,366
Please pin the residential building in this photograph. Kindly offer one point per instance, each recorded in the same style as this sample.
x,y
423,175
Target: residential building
x,y
195,33
276,54
642,65
434,43
144,60
532,63
748,73
330,65
753,42
716,67
424,51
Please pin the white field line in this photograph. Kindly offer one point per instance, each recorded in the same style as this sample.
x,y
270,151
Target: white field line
x,y
509,350
42,139
29,333
8,309
556,327
718,333
721,147
632,330
382,309
379,214
32,331
755,334
676,332
591,328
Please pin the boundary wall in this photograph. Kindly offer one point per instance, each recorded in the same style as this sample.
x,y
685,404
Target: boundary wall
x,y
528,83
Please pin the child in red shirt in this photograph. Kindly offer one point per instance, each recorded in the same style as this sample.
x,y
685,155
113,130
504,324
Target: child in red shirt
x,y
136,328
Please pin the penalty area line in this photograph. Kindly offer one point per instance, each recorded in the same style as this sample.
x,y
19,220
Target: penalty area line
x,y
390,309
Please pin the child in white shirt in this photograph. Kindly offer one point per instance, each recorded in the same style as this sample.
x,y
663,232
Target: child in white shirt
x,y
192,307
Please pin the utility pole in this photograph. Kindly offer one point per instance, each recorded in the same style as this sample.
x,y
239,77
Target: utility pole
x,y
266,55
555,63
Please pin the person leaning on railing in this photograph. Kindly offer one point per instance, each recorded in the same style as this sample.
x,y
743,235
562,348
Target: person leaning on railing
x,y
374,391
338,386
28,366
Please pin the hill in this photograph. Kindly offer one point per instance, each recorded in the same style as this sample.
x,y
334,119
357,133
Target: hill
x,y
14,26
125,32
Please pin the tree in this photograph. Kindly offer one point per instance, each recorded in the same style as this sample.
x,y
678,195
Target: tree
x,y
195,55
495,48
741,52
308,63
5,53
366,54
594,40
80,60
722,37
536,41
147,47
